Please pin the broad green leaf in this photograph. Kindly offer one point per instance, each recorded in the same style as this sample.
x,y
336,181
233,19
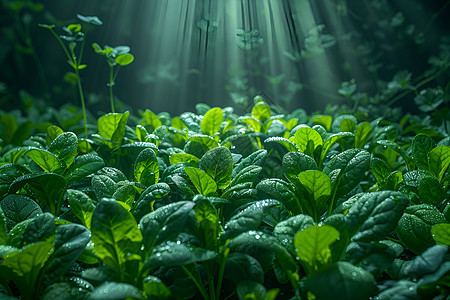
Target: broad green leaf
x,y
144,204
248,289
83,166
42,227
249,218
286,230
287,144
3,235
353,164
48,161
115,291
362,133
257,158
52,132
82,206
439,160
124,59
342,281
318,184
414,227
305,136
9,124
254,123
204,183
164,223
125,193
270,243
115,234
261,111
218,163
207,220
211,121
146,168
296,162
154,288
198,145
18,208
24,265
150,121
375,215
47,188
313,246
397,148
67,290
70,241
441,234
331,140
183,157
65,146
172,254
112,127
323,120
241,266
280,190
420,147
248,174
103,186
380,170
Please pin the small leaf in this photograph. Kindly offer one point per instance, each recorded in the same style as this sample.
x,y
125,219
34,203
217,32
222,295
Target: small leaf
x,y
94,20
124,59
439,160
303,136
204,183
261,111
74,28
441,234
212,120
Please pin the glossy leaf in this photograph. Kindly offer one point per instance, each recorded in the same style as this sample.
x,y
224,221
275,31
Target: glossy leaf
x,y
211,121
441,234
82,206
218,163
17,208
204,183
83,166
303,136
48,161
112,127
146,168
439,160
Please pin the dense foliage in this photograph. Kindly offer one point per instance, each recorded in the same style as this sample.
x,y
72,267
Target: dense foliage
x,y
216,205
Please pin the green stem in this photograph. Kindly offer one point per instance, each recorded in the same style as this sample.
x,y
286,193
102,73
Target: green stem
x,y
83,107
111,82
61,44
199,286
417,86
221,272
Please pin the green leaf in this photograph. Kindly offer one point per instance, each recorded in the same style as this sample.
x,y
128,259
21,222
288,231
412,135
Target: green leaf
x,y
342,281
280,190
198,145
287,144
74,28
52,132
218,163
154,288
47,188
420,147
318,184
323,120
414,227
254,123
249,218
269,243
44,159
146,168
115,235
39,229
286,230
250,290
305,136
183,157
164,223
70,242
103,186
124,59
3,235
211,121
241,266
82,206
441,234
362,133
375,215
112,127
331,140
313,246
83,166
144,204
115,291
94,20
18,208
296,162
204,183
172,254
64,146
150,121
353,164
24,265
257,158
439,160
380,170
248,174
207,220
261,111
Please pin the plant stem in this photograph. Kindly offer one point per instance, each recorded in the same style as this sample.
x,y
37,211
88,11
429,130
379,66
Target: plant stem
x,y
197,284
221,271
111,82
83,107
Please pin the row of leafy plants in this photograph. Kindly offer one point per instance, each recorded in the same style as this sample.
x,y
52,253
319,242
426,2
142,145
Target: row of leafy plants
x,y
214,205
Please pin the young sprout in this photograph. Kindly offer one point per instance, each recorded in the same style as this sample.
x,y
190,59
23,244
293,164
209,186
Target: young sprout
x,y
74,35
114,56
